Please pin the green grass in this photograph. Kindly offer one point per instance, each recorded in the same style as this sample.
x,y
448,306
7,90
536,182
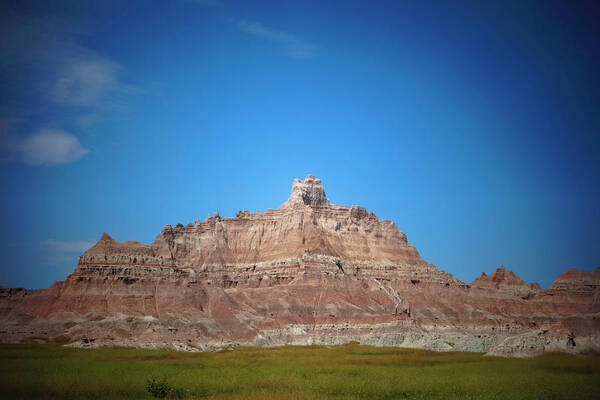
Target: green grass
x,y
342,372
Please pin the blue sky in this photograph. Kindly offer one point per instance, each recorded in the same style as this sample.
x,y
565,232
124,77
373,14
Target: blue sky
x,y
474,127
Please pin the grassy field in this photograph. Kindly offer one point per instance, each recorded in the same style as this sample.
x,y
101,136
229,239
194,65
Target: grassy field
x,y
342,372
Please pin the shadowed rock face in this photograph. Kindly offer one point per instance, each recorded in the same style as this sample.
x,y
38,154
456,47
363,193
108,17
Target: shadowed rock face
x,y
307,272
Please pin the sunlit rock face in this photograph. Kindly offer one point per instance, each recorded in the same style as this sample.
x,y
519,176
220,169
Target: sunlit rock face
x,y
309,272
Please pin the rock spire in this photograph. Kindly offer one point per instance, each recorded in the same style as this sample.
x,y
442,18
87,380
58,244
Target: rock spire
x,y
308,192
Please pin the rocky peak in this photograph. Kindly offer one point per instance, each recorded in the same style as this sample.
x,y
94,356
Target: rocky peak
x,y
108,246
500,277
504,275
104,242
308,192
576,277
106,238
506,282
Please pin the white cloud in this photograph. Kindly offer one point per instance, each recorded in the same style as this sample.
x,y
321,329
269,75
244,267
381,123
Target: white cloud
x,y
51,77
45,61
86,82
45,147
62,246
294,46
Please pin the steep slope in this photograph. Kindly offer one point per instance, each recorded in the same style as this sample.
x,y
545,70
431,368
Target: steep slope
x,y
307,272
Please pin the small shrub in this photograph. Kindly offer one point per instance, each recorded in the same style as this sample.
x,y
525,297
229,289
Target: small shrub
x,y
159,389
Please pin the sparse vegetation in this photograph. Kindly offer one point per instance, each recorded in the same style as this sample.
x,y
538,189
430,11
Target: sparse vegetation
x,y
342,372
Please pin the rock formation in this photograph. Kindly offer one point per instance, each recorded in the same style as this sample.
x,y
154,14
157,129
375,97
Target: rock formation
x,y
309,272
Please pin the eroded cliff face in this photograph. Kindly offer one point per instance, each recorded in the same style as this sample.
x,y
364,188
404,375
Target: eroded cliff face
x,y
307,272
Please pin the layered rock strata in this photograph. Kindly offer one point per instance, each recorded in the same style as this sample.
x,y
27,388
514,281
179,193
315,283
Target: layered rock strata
x,y
309,272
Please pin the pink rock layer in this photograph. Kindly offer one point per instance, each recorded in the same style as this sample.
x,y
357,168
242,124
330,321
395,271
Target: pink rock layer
x,y
309,272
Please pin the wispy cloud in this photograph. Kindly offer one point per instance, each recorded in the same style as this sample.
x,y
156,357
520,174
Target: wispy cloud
x,y
57,88
63,246
86,82
61,251
294,46
45,147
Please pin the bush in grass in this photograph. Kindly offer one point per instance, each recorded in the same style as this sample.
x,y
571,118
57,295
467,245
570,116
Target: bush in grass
x,y
159,389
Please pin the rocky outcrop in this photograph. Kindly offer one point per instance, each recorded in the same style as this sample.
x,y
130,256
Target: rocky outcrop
x,y
506,282
307,272
576,283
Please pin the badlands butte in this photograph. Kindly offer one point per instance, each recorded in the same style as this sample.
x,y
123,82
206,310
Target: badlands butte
x,y
309,272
